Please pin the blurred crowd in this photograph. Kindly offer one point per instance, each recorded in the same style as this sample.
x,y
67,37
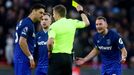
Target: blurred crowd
x,y
119,14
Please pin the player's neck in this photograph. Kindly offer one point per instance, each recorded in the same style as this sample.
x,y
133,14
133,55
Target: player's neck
x,y
59,18
45,30
31,17
105,32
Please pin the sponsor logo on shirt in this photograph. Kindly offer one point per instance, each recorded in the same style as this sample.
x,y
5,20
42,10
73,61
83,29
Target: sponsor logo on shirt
x,y
98,41
105,47
42,43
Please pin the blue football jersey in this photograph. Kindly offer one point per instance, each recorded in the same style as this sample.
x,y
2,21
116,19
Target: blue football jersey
x,y
41,50
25,28
109,46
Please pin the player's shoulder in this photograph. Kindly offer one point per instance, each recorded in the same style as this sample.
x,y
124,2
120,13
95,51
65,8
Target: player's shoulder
x,y
28,21
113,32
25,21
39,33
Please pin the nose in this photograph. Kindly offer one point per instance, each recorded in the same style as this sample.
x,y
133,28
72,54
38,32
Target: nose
x,y
41,15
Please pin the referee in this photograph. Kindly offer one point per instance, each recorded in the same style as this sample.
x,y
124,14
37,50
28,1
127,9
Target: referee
x,y
61,36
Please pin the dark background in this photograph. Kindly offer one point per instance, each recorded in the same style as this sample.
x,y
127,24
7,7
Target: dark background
x,y
119,14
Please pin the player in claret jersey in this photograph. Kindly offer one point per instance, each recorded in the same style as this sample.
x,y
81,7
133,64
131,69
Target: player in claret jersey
x,y
41,51
110,46
24,41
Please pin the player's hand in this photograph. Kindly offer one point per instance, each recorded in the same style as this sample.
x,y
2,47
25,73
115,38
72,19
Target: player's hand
x,y
79,8
123,59
80,61
32,63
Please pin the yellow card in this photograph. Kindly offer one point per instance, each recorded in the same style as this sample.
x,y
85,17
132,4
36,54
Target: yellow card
x,y
74,4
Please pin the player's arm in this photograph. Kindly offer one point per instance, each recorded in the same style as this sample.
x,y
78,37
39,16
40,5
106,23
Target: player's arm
x,y
123,55
24,46
83,15
92,54
121,46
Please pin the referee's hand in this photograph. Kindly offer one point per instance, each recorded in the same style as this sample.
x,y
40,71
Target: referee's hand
x,y
79,8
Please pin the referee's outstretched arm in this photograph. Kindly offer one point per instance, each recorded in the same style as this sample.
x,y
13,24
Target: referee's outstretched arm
x,y
84,17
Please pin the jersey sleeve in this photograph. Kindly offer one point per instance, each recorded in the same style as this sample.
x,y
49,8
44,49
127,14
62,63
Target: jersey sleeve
x,y
119,41
25,31
78,24
51,32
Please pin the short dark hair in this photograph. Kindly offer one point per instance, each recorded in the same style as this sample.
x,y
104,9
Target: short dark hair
x,y
37,6
48,14
101,17
61,10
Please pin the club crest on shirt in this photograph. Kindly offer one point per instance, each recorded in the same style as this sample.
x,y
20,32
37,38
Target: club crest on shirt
x,y
39,37
98,41
108,41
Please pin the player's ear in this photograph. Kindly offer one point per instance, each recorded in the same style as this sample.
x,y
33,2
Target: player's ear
x,y
34,10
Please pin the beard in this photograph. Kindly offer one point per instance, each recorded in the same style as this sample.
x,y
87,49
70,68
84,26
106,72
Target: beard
x,y
102,31
45,27
37,20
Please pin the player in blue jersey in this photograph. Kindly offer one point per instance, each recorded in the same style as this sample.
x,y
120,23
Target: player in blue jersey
x,y
110,46
41,50
25,39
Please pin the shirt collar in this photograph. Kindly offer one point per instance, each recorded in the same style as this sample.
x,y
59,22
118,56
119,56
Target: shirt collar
x,y
45,30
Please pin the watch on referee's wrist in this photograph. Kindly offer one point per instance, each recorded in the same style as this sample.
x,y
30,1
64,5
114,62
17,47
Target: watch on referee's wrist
x,y
81,11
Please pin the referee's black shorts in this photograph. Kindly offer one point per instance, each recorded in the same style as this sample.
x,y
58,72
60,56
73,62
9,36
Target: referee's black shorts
x,y
60,64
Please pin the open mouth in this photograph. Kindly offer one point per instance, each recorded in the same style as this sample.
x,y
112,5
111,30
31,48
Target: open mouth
x,y
99,29
44,24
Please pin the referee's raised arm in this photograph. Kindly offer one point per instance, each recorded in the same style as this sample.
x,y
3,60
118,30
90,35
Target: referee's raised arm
x,y
84,17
